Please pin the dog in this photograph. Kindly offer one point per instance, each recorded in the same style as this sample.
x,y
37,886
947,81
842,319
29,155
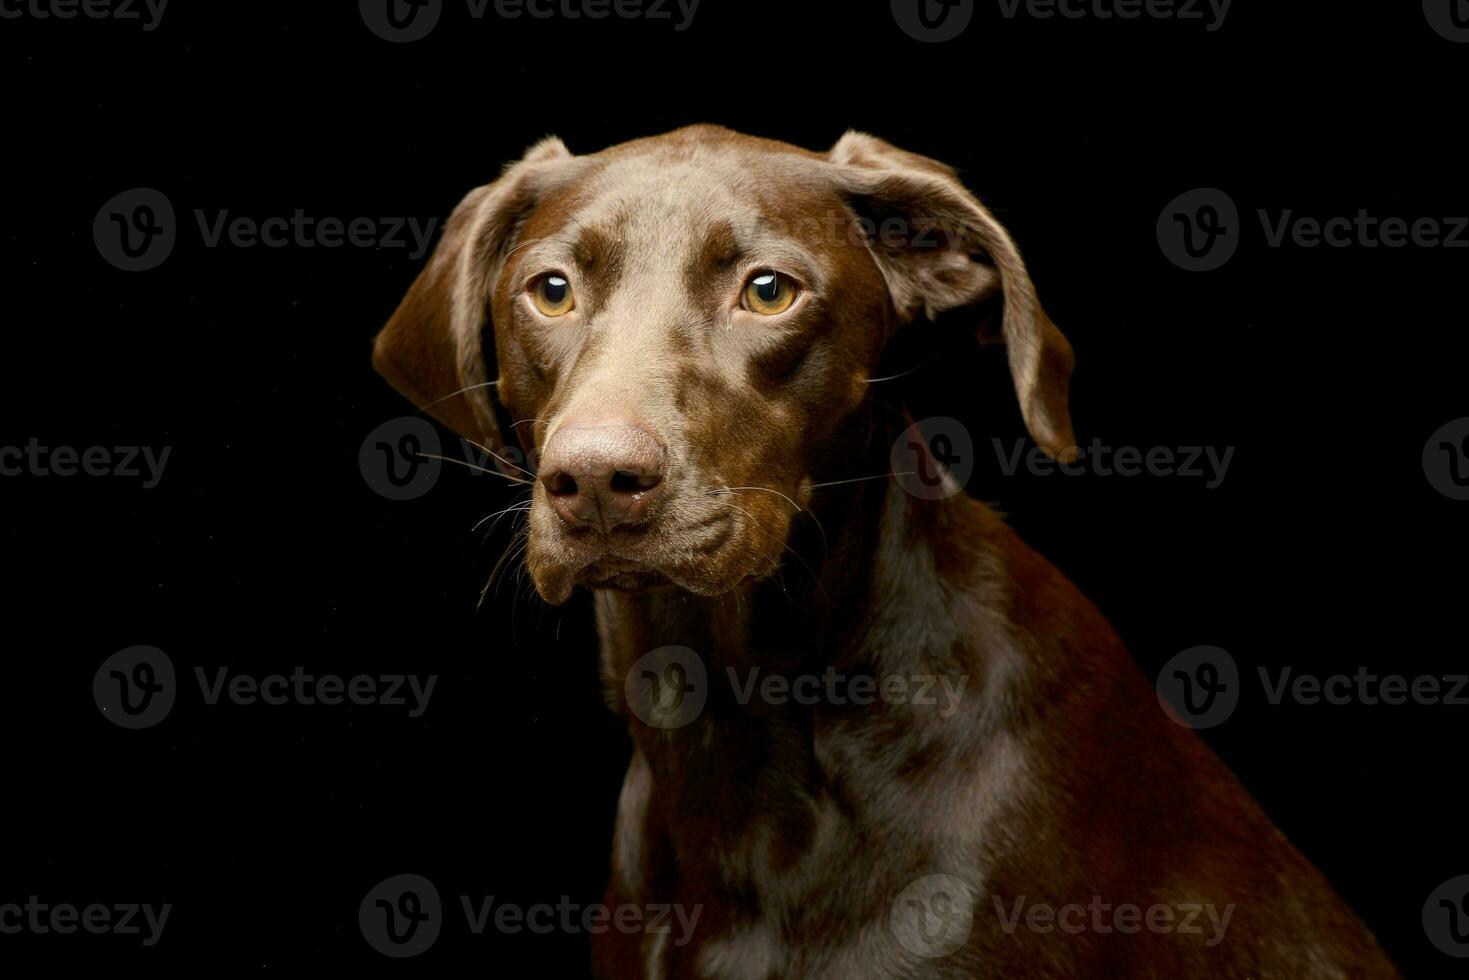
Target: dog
x,y
682,334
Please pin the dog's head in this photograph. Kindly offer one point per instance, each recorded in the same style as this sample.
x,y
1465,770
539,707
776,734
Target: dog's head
x,y
675,328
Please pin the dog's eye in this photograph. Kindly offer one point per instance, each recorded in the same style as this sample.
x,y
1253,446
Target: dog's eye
x,y
769,293
553,295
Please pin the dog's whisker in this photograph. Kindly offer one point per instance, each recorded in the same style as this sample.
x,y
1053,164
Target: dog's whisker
x,y
821,529
517,546
736,490
900,374
766,535
860,479
500,458
497,515
476,387
473,466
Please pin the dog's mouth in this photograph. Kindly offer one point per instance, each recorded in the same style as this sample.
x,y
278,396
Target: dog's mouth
x,y
707,557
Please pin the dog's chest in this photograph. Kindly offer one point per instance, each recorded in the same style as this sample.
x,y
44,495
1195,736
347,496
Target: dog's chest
x,y
812,885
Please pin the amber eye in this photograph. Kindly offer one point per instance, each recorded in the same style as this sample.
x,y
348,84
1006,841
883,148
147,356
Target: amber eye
x,y
769,293
553,295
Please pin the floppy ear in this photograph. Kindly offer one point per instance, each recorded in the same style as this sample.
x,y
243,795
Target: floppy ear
x,y
939,249
433,349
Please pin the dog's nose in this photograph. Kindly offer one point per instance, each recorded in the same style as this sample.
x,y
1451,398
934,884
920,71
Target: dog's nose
x,y
602,474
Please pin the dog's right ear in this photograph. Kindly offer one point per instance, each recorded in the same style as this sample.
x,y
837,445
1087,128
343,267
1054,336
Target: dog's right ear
x,y
432,349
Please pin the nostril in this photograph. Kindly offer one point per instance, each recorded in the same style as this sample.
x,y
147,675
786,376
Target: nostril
x,y
625,481
560,484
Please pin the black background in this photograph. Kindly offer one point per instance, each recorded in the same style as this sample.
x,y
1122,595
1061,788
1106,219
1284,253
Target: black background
x,y
263,549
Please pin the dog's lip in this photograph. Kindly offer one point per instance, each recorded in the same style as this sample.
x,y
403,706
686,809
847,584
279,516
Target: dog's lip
x,y
623,563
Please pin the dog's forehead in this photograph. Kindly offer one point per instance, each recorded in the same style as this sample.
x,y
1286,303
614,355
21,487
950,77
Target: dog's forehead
x,y
678,202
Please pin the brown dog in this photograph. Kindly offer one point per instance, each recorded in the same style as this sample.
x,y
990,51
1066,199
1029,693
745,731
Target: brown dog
x,y
683,330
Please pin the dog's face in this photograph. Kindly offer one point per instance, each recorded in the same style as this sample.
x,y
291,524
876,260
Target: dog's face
x,y
678,325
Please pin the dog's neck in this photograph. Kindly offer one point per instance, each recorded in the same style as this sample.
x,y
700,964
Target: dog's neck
x,y
815,611
867,601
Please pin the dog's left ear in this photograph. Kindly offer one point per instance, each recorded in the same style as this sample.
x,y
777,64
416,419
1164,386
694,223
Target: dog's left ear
x,y
939,249
433,348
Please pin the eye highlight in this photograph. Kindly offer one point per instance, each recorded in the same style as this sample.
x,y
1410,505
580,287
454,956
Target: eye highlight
x,y
768,293
553,296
